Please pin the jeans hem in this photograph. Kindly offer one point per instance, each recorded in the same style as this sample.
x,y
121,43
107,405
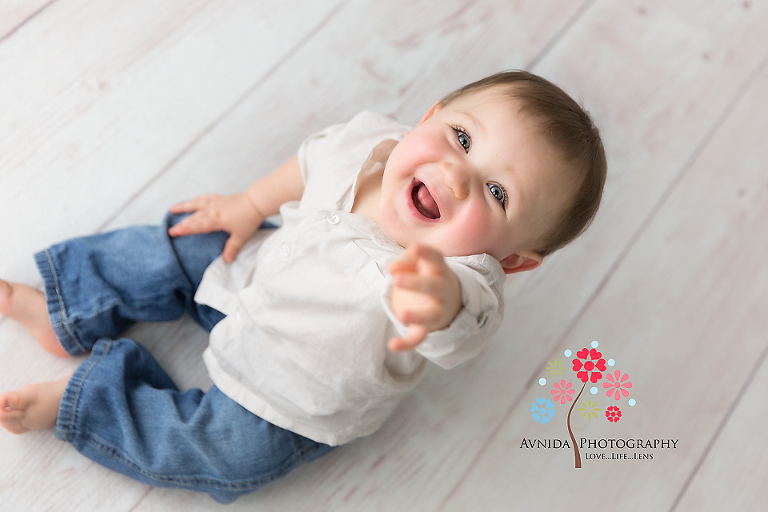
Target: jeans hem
x,y
220,490
67,419
72,427
57,310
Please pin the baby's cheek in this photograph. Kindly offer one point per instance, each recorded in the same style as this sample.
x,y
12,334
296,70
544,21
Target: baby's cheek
x,y
475,234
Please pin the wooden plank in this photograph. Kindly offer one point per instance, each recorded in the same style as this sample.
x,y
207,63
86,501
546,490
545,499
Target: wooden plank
x,y
733,472
683,314
14,13
100,97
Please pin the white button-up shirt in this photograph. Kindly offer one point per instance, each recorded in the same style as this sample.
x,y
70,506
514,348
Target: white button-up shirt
x,y
304,342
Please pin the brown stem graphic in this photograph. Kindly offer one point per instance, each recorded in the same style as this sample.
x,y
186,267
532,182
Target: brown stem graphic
x,y
576,453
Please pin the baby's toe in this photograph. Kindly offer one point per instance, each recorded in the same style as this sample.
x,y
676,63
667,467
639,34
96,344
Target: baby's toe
x,y
13,401
5,295
12,420
14,425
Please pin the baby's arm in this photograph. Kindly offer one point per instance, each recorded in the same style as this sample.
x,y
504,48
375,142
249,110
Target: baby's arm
x,y
426,294
240,215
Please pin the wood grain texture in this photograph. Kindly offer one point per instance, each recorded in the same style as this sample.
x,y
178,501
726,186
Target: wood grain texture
x,y
110,112
689,281
731,355
14,14
104,96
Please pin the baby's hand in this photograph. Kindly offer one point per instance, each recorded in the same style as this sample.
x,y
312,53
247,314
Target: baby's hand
x,y
426,294
233,214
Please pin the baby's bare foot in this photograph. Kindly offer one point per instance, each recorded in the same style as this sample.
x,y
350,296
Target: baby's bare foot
x,y
32,407
27,306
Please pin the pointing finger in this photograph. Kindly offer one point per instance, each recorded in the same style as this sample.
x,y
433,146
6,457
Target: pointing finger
x,y
429,285
415,335
428,258
404,262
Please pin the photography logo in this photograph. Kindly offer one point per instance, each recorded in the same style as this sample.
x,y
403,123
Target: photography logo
x,y
589,367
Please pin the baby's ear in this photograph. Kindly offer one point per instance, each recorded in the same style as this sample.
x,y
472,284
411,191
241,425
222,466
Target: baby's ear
x,y
436,106
523,262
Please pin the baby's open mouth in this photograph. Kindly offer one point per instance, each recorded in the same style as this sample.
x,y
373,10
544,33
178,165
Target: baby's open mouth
x,y
424,202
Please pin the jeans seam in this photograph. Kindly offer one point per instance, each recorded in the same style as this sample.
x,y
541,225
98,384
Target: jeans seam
x,y
62,309
119,456
300,447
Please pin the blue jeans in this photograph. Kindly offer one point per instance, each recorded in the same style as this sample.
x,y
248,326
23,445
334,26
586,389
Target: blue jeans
x,y
120,408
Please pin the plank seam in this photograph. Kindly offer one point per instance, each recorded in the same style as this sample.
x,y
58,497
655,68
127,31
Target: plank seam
x,y
559,35
720,428
141,499
29,18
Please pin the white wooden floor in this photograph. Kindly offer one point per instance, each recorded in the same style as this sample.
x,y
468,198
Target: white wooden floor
x,y
112,110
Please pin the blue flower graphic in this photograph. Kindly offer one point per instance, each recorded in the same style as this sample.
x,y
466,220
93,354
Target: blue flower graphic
x,y
543,410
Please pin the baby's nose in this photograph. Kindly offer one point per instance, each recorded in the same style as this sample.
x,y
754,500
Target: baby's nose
x,y
457,179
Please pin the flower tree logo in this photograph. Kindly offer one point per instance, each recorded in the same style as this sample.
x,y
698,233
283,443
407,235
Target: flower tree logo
x,y
589,366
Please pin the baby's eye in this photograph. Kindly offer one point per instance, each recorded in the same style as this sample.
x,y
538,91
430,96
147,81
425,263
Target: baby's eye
x,y
463,138
499,193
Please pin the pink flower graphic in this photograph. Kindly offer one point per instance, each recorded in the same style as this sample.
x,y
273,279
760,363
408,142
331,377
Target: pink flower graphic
x,y
587,371
563,392
613,414
616,386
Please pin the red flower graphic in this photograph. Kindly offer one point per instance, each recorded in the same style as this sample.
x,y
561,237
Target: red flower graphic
x,y
563,392
586,370
617,385
613,414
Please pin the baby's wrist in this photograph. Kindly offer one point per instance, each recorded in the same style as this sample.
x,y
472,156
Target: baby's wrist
x,y
453,301
252,205
450,319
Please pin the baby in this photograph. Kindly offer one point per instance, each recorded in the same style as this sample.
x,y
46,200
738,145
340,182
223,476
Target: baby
x,y
393,250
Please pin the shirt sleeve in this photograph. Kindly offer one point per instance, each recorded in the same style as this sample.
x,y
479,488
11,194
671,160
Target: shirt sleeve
x,y
481,278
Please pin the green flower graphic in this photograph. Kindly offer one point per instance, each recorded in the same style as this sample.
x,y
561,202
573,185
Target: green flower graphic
x,y
555,367
589,409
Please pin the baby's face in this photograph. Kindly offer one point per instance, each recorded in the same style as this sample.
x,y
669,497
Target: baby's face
x,y
473,177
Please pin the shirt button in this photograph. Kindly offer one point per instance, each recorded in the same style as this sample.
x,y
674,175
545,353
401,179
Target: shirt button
x,y
332,218
285,250
239,316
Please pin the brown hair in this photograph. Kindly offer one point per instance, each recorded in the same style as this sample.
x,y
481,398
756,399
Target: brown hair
x,y
570,130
